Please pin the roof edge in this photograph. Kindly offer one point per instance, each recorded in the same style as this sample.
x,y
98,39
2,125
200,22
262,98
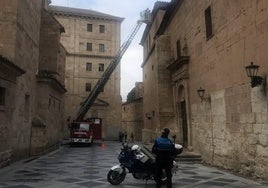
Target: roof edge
x,y
77,12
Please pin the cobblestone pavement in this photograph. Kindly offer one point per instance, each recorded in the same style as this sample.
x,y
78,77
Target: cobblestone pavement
x,y
81,167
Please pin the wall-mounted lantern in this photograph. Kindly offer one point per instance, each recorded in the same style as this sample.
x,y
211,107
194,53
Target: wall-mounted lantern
x,y
148,115
252,71
201,94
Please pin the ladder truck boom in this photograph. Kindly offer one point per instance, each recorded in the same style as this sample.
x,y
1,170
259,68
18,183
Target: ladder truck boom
x,y
107,73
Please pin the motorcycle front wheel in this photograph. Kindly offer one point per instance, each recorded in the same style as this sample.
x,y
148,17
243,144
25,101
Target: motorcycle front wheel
x,y
115,177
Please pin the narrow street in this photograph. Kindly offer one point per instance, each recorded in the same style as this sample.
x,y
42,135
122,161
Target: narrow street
x,y
79,167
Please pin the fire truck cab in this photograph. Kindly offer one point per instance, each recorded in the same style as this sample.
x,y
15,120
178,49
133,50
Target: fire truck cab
x,y
81,133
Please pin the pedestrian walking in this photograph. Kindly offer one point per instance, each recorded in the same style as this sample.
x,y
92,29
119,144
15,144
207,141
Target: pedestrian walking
x,y
132,137
164,150
125,134
121,136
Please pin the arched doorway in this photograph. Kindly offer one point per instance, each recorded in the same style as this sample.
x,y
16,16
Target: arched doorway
x,y
182,115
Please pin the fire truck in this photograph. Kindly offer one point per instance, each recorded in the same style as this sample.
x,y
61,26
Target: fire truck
x,y
81,130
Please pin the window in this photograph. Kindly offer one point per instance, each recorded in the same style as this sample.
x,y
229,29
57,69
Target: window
x,y
101,48
2,96
178,45
89,66
89,27
89,46
101,67
208,21
102,29
88,87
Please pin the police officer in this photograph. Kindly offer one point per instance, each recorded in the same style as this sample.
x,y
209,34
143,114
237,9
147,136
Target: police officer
x,y
163,148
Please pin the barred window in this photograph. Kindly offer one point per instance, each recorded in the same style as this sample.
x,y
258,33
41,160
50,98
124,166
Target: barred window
x,y
101,67
208,21
88,87
89,66
89,46
102,29
101,48
89,27
2,96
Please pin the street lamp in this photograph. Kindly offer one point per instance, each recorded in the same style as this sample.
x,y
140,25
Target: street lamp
x,y
148,115
201,94
252,71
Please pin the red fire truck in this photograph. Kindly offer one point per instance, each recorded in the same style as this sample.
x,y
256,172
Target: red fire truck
x,y
81,132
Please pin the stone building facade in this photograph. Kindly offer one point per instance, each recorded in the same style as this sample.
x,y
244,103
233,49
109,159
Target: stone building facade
x,y
31,73
92,39
208,44
132,113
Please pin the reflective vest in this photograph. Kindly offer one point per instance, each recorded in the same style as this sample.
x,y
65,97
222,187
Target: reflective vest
x,y
164,144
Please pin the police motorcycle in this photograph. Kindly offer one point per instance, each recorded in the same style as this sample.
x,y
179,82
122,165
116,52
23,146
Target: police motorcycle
x,y
139,162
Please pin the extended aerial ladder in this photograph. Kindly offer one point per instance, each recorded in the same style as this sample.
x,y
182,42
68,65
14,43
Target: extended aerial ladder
x,y
144,18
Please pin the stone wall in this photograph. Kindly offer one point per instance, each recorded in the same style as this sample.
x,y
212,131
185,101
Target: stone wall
x,y
21,27
50,88
19,43
6,115
231,132
158,107
132,119
132,113
149,99
229,126
49,43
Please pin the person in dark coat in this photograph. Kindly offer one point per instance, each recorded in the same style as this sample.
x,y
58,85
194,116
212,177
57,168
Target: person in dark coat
x,y
121,136
164,149
125,134
132,137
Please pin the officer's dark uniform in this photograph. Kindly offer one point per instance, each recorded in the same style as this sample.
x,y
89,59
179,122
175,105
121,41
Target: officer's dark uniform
x,y
163,148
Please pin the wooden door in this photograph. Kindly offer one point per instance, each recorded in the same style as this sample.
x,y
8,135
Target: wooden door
x,y
97,128
184,123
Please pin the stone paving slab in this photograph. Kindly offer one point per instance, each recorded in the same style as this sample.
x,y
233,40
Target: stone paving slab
x,y
82,167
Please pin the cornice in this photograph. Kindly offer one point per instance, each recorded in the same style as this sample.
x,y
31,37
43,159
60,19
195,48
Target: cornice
x,y
91,56
178,63
11,67
82,13
46,77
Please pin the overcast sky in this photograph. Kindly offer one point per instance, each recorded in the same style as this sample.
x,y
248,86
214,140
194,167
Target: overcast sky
x,y
131,71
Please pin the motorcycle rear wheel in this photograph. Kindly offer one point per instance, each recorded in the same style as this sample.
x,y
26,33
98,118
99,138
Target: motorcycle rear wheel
x,y
115,177
135,176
